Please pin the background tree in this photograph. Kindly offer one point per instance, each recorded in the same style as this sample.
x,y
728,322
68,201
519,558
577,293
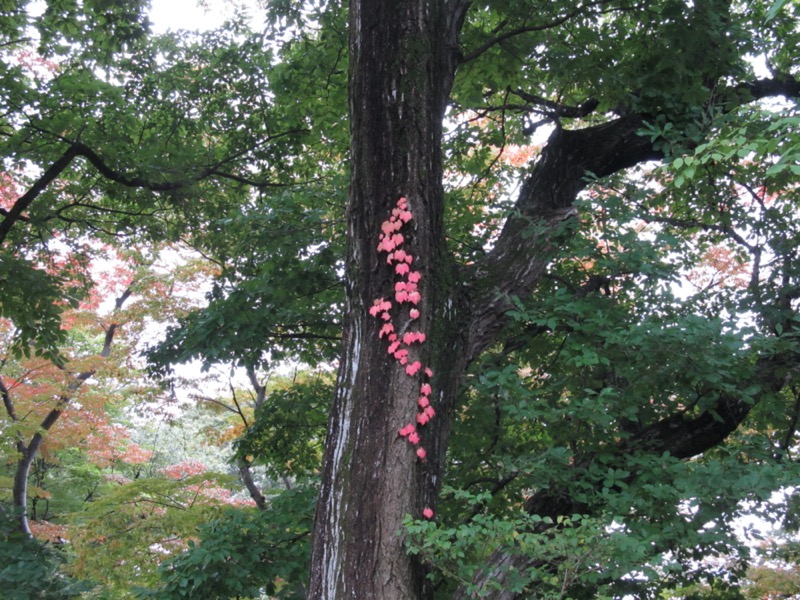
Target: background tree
x,y
88,132
48,388
246,553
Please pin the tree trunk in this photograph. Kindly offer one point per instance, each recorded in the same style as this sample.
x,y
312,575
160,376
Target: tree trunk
x,y
20,492
402,57
27,453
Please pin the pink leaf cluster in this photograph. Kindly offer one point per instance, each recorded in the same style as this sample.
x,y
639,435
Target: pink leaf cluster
x,y
410,337
406,291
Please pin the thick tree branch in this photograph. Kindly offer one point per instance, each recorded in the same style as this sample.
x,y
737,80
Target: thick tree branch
x,y
259,388
679,435
11,411
780,85
76,149
455,13
5,213
788,439
527,241
24,201
556,109
246,475
9,405
569,161
123,298
79,379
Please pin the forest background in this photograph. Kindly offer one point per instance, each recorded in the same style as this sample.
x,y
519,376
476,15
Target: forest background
x,y
572,226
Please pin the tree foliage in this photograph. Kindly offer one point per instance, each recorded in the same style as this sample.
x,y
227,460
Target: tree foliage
x,y
604,196
288,429
246,553
31,568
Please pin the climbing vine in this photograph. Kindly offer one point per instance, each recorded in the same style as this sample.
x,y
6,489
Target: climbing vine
x,y
404,345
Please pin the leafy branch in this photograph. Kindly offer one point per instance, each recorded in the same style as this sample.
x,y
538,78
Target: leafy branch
x,y
79,149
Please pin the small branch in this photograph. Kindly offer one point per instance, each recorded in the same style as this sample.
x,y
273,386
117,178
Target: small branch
x,y
238,408
24,40
302,336
24,201
556,109
217,402
247,181
499,485
259,388
690,223
521,30
786,444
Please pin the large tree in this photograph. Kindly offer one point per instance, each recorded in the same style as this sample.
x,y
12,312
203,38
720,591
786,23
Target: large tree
x,y
566,357
620,67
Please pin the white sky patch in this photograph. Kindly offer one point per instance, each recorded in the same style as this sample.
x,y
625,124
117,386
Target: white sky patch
x,y
197,15
166,15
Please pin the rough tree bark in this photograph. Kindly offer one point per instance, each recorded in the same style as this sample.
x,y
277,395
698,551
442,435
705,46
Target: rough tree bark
x,y
403,57
243,465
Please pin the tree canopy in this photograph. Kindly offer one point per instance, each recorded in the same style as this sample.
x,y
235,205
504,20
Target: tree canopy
x,y
551,248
